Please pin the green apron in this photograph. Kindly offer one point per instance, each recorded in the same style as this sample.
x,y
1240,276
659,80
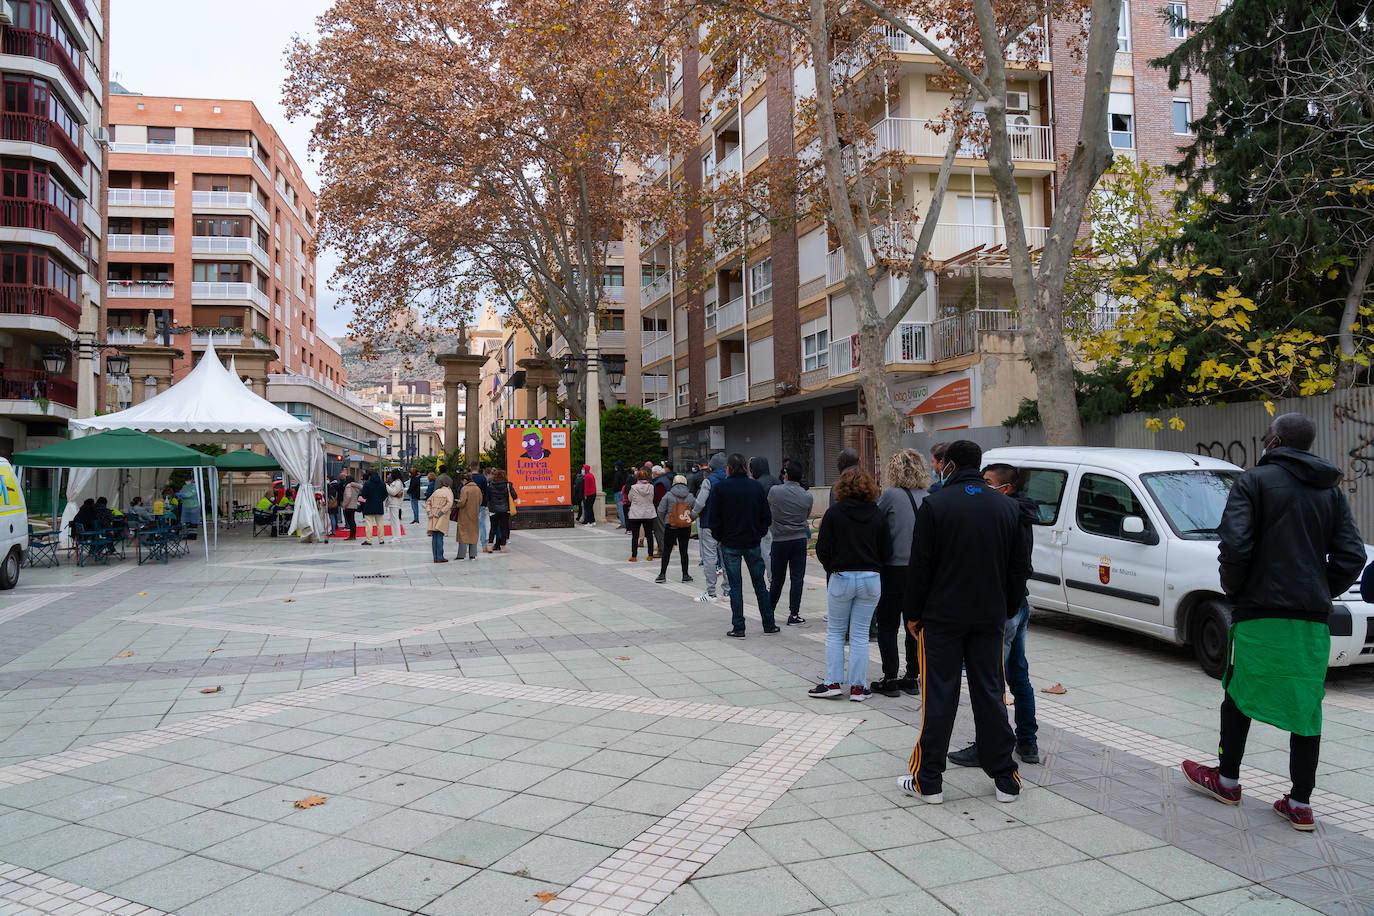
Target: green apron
x,y
1278,672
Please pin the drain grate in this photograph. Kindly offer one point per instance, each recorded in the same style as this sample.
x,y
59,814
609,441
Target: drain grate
x,y
374,576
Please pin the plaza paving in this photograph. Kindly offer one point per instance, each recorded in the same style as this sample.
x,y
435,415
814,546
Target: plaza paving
x,y
550,731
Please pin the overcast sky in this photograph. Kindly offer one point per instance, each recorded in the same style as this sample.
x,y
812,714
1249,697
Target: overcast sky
x,y
215,49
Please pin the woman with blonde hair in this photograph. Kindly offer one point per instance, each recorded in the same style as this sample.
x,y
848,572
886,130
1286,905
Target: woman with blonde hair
x,y
908,480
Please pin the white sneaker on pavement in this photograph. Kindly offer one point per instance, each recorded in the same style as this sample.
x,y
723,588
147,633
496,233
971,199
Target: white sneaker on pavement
x,y
707,598
908,786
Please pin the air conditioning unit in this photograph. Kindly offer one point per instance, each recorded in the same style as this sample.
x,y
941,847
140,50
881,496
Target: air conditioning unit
x,y
1018,101
102,136
1018,125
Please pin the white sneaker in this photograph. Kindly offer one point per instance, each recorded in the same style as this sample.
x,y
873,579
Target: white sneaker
x,y
706,599
908,786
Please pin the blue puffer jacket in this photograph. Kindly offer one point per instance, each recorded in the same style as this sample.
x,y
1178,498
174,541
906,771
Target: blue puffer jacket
x,y
373,497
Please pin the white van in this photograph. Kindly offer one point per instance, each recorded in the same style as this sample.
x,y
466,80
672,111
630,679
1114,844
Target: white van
x,y
14,527
1127,537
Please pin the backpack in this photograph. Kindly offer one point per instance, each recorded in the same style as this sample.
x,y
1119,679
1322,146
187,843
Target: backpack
x,y
680,515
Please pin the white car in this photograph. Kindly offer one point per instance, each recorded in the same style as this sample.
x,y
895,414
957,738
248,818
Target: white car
x,y
1127,537
14,527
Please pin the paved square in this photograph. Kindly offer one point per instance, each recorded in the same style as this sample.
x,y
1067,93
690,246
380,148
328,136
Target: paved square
x,y
550,731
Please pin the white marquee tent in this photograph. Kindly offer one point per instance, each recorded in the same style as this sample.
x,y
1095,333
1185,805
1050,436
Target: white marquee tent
x,y
211,404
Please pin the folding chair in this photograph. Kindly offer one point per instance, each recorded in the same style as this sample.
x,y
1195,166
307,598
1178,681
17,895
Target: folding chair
x,y
153,544
42,548
263,521
91,546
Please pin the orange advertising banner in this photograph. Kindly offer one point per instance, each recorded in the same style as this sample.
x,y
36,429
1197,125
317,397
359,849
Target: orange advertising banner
x,y
538,463
950,397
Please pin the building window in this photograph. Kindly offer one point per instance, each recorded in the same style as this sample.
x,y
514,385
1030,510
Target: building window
x,y
1122,131
682,394
1178,20
1123,27
162,135
710,314
815,345
1183,117
761,283
213,272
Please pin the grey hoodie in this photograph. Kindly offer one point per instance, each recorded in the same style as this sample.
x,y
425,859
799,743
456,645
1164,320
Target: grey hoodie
x,y
791,507
704,494
678,492
901,520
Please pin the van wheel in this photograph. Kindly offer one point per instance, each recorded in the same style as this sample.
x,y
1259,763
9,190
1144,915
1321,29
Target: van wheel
x,y
1211,630
9,570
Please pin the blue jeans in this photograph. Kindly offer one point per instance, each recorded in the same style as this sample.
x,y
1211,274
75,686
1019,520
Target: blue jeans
x,y
1018,675
415,510
482,514
753,559
788,556
851,600
436,544
620,508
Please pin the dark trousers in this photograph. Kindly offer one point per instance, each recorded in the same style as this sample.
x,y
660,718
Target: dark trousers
x,y
1303,751
351,520
589,508
674,537
645,525
752,558
500,528
889,622
943,648
788,558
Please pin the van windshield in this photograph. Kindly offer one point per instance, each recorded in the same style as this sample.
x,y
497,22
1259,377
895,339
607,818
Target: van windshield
x,y
1192,501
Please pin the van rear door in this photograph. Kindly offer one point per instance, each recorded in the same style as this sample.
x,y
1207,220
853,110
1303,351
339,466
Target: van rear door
x,y
1045,486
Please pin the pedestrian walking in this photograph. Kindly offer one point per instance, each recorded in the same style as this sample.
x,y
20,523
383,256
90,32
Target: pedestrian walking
x,y
675,515
853,546
373,500
618,481
738,517
908,477
791,508
334,501
1006,479
1288,546
468,507
641,514
710,548
588,495
395,502
501,499
484,511
967,576
437,508
413,491
352,494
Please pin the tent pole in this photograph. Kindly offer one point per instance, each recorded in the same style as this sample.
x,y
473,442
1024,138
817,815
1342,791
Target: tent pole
x,y
215,491
200,494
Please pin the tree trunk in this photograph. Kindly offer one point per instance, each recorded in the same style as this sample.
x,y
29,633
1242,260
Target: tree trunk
x,y
1345,374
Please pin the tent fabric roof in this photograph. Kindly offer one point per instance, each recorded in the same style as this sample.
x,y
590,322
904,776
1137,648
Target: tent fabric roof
x,y
246,460
116,448
209,400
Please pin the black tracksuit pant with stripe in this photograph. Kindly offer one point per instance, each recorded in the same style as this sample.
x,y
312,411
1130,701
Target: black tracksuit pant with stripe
x,y
944,648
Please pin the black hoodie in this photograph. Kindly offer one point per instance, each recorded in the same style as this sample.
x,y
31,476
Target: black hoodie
x,y
1288,541
758,469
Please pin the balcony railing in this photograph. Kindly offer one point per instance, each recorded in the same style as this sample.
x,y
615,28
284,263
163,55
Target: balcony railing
x,y
728,168
655,384
232,200
125,337
139,289
922,343
38,129
183,149
611,340
32,384
217,244
652,292
29,43
23,299
613,294
229,337
42,216
159,243
661,347
949,239
730,315
214,290
142,197
909,344
734,390
928,137
662,408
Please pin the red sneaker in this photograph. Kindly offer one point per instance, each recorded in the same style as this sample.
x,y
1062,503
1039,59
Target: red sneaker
x,y
1300,818
1208,779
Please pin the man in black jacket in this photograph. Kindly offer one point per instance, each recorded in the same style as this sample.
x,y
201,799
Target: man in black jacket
x,y
738,516
1288,546
967,577
413,491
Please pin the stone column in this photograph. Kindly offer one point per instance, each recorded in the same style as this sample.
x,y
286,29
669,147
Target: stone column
x,y
450,416
472,428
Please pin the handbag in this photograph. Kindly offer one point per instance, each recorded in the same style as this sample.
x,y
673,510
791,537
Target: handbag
x,y
510,498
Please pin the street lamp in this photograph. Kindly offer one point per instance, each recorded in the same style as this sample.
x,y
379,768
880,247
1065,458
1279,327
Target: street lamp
x,y
54,362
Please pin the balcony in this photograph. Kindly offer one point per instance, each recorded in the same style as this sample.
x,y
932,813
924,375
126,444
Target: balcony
x,y
23,299
660,347
29,43
900,42
38,129
613,294
213,244
730,315
654,291
22,213
157,243
230,200
141,197
950,239
908,345
229,337
139,289
655,385
125,337
928,137
611,340
921,343
662,408
32,384
734,390
730,166
183,149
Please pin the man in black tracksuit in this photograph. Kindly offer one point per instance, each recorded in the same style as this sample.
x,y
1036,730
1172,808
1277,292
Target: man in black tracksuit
x,y
967,577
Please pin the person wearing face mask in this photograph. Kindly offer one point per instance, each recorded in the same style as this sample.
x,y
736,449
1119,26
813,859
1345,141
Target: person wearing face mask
x,y
938,465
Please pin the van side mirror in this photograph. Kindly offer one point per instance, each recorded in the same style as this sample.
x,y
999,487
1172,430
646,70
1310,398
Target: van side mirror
x,y
1132,524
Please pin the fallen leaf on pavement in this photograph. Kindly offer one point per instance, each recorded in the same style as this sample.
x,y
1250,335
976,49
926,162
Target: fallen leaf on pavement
x,y
213,689
1056,689
289,601
622,658
536,586
546,896
124,655
143,593
310,801
215,649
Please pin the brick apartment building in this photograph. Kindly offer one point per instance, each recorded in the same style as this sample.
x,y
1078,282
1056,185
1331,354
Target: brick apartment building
x,y
53,59
762,361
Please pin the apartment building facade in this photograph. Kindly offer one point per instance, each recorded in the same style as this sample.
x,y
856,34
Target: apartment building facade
x,y
53,61
763,360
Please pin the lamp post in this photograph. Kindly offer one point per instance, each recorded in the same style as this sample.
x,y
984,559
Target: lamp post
x,y
615,370
85,347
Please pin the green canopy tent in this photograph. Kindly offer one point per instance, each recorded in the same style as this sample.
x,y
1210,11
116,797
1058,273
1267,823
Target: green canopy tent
x,y
120,450
244,460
